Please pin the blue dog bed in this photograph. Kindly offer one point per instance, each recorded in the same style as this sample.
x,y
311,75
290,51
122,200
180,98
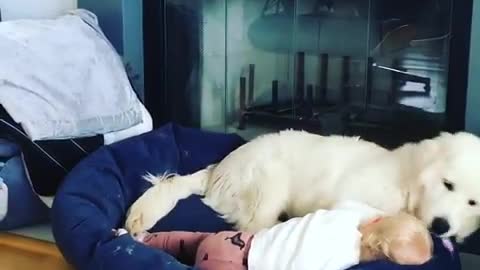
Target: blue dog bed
x,y
95,197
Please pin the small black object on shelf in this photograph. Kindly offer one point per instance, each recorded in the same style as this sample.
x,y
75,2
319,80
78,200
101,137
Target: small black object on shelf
x,y
275,95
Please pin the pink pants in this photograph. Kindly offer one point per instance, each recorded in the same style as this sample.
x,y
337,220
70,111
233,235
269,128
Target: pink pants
x,y
207,251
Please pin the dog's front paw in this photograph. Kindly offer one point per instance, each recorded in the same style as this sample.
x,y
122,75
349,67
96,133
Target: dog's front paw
x,y
138,220
142,215
141,236
134,222
153,205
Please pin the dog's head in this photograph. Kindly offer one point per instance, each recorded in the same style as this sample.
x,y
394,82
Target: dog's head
x,y
450,182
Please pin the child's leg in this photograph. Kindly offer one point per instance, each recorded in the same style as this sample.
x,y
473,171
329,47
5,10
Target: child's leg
x,y
224,251
181,245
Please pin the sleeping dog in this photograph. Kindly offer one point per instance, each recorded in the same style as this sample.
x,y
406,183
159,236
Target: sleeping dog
x,y
296,173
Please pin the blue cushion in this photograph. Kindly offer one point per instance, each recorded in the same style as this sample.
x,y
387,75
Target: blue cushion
x,y
96,195
8,149
24,206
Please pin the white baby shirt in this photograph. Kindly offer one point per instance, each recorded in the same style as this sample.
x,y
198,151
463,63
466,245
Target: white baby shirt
x,y
323,240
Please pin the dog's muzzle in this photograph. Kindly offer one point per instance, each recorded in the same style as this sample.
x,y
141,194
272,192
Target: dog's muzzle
x,y
440,226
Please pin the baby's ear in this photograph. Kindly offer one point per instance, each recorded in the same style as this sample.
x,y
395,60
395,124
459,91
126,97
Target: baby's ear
x,y
400,254
386,249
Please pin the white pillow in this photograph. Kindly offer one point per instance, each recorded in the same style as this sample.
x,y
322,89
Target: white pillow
x,y
3,199
63,79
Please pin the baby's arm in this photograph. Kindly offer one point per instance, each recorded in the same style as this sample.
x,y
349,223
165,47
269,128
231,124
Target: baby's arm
x,y
182,245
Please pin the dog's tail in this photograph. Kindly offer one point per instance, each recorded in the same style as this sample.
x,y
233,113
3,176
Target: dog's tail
x,y
171,188
195,183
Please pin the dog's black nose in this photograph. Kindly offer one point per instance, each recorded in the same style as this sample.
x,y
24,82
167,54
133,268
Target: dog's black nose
x,y
440,226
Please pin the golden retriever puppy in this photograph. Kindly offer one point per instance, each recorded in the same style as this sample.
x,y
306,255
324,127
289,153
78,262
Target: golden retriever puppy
x,y
295,173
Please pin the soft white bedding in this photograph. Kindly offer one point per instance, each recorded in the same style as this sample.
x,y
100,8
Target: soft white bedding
x,y
62,78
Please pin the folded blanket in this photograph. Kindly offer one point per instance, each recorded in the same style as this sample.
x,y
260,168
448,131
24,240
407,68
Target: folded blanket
x,y
63,79
145,126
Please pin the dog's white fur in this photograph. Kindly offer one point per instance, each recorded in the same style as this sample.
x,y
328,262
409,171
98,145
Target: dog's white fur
x,y
296,173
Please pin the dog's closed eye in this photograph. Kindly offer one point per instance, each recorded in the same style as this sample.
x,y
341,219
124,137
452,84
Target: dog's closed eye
x,y
448,185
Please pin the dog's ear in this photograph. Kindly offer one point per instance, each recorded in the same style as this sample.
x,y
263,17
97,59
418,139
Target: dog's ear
x,y
429,149
431,173
413,197
440,140
429,159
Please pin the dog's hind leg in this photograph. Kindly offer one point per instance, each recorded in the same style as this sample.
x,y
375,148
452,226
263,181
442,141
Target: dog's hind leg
x,y
266,213
265,201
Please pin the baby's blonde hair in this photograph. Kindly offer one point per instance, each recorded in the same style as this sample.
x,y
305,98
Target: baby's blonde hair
x,y
401,238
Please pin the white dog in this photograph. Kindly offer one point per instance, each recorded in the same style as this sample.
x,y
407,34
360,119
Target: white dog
x,y
295,173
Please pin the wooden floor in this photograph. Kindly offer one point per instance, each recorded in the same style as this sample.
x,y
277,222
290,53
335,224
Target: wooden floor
x,y
22,253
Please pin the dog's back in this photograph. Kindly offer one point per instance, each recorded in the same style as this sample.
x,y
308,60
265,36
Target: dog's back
x,y
291,171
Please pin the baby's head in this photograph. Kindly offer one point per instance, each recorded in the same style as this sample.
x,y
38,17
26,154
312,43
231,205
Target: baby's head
x,y
401,238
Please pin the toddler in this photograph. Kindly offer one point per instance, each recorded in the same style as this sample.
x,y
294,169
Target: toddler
x,y
324,240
